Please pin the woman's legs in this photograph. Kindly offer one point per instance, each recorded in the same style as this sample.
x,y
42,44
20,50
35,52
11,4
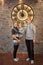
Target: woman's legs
x,y
15,50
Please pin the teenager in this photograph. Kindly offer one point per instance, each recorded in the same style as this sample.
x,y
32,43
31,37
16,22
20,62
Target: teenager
x,y
30,37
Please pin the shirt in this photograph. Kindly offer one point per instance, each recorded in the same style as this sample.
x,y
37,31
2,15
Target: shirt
x,y
30,32
15,31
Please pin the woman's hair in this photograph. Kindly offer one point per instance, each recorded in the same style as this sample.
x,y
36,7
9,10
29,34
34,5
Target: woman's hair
x,y
14,22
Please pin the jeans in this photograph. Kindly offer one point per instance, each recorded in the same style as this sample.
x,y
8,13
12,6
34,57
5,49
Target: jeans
x,y
30,49
15,50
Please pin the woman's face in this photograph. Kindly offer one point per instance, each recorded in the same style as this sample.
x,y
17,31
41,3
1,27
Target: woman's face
x,y
15,24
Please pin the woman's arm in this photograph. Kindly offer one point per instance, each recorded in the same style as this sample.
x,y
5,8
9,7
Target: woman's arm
x,y
14,37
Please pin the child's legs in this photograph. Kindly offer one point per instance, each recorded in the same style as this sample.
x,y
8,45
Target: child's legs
x,y
31,50
28,48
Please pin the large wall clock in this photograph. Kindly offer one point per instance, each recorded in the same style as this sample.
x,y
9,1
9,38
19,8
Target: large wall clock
x,y
22,12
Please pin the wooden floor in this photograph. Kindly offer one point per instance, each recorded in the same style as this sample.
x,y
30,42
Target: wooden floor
x,y
7,59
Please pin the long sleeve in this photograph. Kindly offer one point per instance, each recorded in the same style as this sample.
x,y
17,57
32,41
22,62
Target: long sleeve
x,y
34,32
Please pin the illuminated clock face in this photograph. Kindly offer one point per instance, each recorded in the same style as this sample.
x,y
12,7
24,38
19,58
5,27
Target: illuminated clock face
x,y
22,12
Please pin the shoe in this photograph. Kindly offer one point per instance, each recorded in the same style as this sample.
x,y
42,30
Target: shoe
x,y
16,59
32,61
27,59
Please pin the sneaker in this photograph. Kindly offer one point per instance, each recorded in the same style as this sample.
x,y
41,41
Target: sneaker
x,y
27,59
16,59
32,61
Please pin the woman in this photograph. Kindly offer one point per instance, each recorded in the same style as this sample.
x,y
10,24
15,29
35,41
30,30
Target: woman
x,y
16,40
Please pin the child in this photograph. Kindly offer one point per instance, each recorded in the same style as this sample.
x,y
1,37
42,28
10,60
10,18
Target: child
x,y
30,35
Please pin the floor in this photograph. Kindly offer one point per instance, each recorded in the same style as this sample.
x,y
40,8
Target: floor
x,y
7,59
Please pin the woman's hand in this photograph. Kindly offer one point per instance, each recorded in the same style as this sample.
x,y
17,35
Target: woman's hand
x,y
34,41
18,41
